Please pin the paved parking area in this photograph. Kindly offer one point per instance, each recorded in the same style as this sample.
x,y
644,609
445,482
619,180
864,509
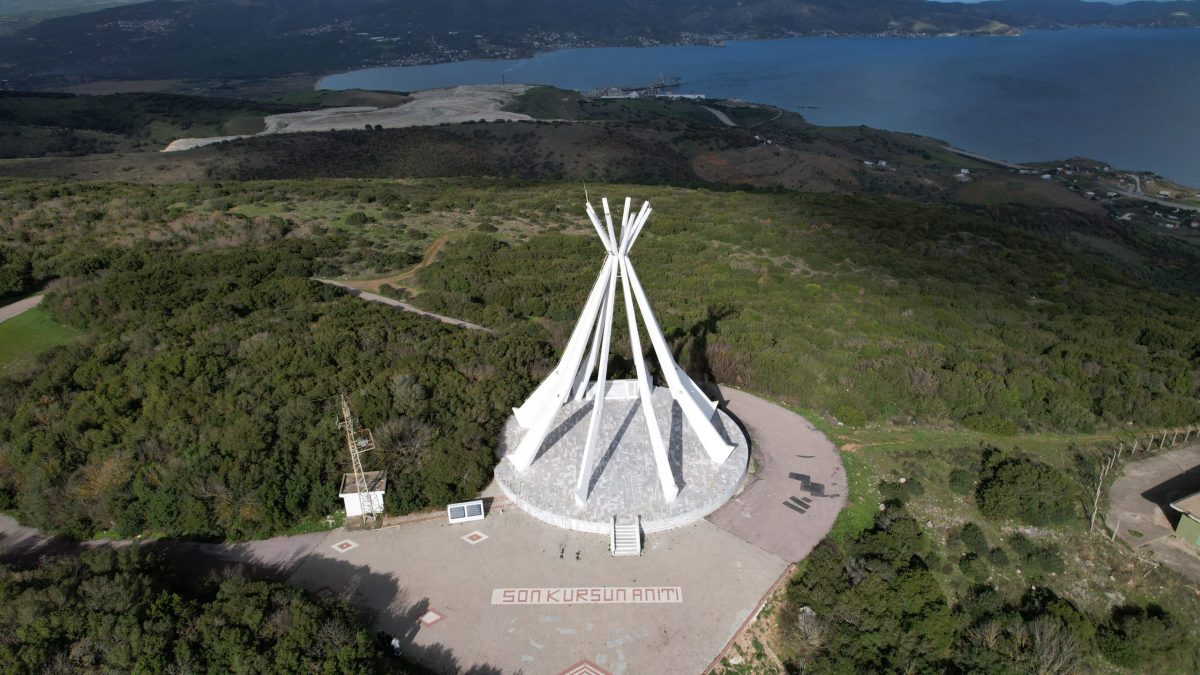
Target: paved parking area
x,y
1139,506
454,600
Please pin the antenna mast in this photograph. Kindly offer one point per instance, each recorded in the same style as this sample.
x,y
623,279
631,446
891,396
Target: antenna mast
x,y
357,445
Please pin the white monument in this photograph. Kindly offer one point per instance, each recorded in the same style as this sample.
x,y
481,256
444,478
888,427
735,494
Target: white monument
x,y
706,450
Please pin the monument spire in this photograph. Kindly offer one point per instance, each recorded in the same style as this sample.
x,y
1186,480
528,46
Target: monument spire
x,y
572,378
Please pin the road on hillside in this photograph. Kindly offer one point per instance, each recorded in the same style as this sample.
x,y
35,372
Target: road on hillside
x,y
19,307
720,116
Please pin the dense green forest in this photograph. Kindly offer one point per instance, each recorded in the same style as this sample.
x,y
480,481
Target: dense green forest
x,y
875,604
124,611
195,402
880,311
199,402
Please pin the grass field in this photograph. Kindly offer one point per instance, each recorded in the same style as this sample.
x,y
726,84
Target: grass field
x,y
29,334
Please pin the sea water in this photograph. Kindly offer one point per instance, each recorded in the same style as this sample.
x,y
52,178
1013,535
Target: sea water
x,y
1128,96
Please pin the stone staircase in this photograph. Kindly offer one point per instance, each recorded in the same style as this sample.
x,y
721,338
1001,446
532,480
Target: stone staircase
x,y
626,536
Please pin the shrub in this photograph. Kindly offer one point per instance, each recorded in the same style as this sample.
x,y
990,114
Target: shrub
x,y
990,423
897,491
1026,491
962,481
997,557
974,539
1144,638
973,567
1036,559
850,416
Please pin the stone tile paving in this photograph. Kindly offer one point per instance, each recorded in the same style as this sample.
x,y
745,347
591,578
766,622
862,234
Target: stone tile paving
x,y
404,572
624,481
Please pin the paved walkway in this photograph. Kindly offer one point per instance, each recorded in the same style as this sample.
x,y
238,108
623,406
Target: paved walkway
x,y
1139,506
790,504
19,307
366,295
278,556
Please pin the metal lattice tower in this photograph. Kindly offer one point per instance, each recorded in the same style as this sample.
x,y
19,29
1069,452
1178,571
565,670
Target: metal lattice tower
x,y
358,444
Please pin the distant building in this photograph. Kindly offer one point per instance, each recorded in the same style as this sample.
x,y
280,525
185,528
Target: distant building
x,y
964,171
1188,527
376,485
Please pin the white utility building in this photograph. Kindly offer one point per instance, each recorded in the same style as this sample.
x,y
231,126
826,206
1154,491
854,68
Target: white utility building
x,y
371,501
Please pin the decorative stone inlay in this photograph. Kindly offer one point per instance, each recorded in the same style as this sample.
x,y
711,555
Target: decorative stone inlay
x,y
344,545
431,617
585,667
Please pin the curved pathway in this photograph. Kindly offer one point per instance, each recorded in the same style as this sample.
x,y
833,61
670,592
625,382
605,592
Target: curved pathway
x,y
20,307
790,502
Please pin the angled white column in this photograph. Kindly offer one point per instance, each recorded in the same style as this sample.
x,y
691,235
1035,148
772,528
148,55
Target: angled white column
x,y
608,223
571,377
625,226
548,398
599,229
585,373
706,404
542,396
645,392
699,419
589,448
643,216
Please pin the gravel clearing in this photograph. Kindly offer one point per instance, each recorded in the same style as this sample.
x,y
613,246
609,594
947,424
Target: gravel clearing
x,y
452,105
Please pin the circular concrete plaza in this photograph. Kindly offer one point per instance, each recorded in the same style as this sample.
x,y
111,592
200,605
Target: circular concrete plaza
x,y
624,480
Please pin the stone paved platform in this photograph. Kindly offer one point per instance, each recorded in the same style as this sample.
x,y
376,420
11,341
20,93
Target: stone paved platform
x,y
624,481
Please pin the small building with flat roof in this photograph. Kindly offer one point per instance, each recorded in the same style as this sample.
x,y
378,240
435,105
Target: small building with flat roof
x,y
1188,528
376,485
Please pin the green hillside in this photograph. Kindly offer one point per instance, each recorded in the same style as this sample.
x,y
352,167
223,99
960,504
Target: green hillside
x,y
974,349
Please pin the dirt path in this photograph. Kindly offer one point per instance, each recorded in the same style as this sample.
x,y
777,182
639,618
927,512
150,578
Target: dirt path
x,y
790,504
371,297
1139,506
19,307
397,280
450,105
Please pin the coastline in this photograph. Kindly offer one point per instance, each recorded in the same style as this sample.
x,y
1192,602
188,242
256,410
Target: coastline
x,y
978,94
